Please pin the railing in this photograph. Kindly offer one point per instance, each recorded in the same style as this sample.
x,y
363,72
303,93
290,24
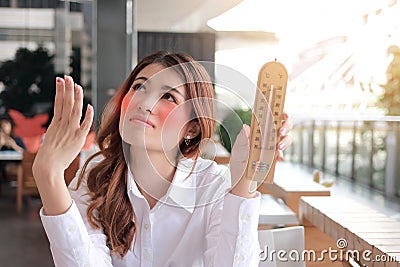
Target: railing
x,y
365,150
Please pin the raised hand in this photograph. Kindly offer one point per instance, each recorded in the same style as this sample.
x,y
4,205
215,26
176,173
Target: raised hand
x,y
65,136
2,139
64,139
240,155
8,141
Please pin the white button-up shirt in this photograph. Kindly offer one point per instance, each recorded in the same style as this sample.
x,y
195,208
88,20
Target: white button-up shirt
x,y
197,223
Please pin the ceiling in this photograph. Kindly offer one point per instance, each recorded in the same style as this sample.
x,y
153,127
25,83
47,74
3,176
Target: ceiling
x,y
179,15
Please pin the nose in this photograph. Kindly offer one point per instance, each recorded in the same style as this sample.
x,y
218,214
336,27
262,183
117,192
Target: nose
x,y
147,102
145,109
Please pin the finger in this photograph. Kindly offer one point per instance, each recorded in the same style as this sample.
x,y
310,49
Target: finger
x,y
279,157
241,147
285,142
87,122
239,156
286,127
243,137
58,101
68,100
78,102
285,116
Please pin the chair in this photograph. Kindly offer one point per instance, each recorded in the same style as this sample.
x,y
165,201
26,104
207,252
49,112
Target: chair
x,y
274,212
26,184
289,239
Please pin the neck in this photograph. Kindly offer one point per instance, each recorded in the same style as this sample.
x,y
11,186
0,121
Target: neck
x,y
153,172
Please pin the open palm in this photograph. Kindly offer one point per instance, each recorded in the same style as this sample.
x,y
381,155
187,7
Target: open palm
x,y
65,135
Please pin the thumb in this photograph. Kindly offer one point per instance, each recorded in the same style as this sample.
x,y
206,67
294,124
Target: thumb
x,y
240,155
241,148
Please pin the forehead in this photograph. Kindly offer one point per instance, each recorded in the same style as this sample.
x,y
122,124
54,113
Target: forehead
x,y
157,73
5,122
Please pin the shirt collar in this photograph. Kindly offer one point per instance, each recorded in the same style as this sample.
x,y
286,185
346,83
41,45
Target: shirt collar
x,y
181,192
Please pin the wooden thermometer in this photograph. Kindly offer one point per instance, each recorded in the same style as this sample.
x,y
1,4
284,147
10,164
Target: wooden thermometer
x,y
265,121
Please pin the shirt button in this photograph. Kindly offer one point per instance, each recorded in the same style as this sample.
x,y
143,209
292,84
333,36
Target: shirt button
x,y
71,229
146,226
242,237
245,217
240,257
146,256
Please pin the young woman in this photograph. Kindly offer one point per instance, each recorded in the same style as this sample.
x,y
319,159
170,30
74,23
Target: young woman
x,y
8,141
150,200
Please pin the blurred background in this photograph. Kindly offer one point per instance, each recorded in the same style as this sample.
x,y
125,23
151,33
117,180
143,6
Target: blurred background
x,y
342,56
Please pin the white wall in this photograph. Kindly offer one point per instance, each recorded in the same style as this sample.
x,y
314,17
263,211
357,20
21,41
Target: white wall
x,y
8,48
32,18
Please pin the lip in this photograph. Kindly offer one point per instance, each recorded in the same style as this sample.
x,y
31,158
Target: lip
x,y
146,122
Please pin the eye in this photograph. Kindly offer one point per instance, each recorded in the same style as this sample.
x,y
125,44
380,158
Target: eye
x,y
169,97
138,87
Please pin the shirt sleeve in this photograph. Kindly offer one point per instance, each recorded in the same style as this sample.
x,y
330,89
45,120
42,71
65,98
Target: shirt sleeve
x,y
232,236
73,241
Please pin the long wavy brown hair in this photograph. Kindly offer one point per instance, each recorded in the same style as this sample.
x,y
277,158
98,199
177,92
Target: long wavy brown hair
x,y
110,207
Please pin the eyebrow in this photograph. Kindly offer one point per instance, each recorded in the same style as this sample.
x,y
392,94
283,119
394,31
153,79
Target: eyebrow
x,y
169,88
165,87
141,78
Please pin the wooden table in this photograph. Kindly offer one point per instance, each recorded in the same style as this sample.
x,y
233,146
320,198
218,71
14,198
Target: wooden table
x,y
274,213
291,184
9,155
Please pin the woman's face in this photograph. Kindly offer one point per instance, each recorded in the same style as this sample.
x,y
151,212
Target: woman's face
x,y
6,127
154,114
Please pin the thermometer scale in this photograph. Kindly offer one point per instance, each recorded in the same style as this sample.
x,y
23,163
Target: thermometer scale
x,y
266,120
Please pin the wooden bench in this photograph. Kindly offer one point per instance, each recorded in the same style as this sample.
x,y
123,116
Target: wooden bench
x,y
358,227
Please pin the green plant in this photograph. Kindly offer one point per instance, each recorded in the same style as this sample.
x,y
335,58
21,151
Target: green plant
x,y
390,100
231,126
27,79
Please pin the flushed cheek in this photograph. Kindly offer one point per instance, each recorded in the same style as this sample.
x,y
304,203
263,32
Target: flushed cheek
x,y
126,105
164,113
126,102
173,117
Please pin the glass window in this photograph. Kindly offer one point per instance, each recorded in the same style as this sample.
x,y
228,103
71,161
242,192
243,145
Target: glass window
x,y
4,3
75,7
36,3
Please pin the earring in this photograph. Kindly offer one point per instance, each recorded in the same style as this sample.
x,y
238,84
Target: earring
x,y
187,140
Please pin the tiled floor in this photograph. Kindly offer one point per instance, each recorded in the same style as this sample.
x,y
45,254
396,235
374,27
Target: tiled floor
x,y
23,242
